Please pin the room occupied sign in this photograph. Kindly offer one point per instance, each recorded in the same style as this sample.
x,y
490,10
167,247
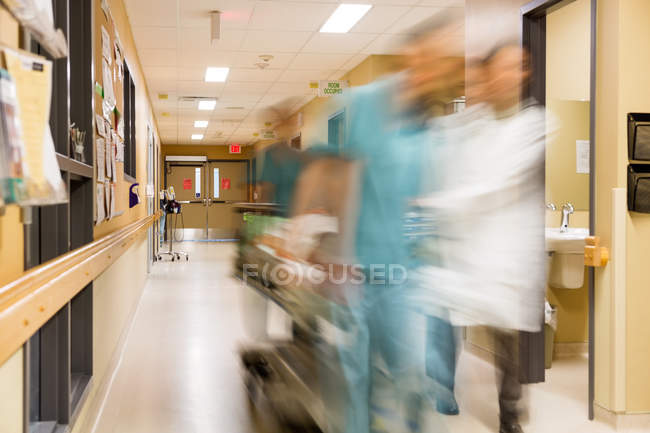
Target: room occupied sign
x,y
328,88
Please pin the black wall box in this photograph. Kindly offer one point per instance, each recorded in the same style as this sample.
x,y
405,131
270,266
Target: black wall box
x,y
638,188
638,136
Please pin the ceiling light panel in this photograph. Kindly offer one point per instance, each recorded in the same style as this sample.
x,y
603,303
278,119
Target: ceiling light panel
x,y
344,18
197,136
207,104
201,124
216,75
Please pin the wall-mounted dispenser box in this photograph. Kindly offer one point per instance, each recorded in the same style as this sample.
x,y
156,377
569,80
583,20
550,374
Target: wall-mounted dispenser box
x,y
638,188
638,136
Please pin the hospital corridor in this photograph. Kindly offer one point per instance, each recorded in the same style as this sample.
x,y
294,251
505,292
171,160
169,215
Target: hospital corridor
x,y
324,216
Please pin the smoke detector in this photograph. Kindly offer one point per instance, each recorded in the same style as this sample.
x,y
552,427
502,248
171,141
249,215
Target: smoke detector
x,y
265,61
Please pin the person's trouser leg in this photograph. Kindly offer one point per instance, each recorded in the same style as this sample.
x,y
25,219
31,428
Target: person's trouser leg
x,y
507,363
353,354
392,337
441,361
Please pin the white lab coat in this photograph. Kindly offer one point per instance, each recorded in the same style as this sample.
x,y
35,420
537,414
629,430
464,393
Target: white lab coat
x,y
489,205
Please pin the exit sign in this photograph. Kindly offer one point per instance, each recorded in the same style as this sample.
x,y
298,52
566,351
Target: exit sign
x,y
235,148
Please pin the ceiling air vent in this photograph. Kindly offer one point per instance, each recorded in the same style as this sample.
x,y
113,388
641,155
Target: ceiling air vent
x,y
193,98
234,108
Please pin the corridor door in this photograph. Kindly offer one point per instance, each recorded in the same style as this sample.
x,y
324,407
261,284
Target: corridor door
x,y
228,184
188,182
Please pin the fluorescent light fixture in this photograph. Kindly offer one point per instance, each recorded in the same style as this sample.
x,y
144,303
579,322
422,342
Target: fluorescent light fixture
x,y
207,104
197,136
216,75
344,18
201,124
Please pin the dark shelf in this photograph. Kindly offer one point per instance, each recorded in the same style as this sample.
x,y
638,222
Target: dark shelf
x,y
74,167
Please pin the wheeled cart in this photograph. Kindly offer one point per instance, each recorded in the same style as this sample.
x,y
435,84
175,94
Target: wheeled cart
x,y
299,380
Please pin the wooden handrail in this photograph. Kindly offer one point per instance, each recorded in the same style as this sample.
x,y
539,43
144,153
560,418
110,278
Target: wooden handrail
x,y
28,302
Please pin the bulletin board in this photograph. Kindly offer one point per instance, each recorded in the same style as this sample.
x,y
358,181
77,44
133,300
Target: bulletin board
x,y
111,190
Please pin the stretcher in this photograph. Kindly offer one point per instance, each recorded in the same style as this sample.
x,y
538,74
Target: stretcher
x,y
301,379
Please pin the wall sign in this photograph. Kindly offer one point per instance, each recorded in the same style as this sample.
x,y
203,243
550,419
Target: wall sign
x,y
328,88
235,148
225,183
187,183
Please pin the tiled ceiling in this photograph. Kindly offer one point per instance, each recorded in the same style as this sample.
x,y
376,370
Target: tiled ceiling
x,y
173,43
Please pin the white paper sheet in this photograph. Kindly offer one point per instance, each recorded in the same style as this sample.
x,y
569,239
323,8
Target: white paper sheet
x,y
582,156
101,125
113,200
107,194
120,151
101,210
113,161
101,158
107,51
109,163
109,93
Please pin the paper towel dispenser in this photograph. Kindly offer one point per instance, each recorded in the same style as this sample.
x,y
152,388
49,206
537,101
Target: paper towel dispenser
x,y
638,136
638,188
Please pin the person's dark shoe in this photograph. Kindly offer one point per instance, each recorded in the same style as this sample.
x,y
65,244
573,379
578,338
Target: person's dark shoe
x,y
447,406
510,427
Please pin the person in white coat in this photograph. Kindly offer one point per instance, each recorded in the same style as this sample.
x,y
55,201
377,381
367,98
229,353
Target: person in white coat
x,y
490,220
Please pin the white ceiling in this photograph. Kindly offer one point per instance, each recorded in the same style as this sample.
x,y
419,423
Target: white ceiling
x,y
173,42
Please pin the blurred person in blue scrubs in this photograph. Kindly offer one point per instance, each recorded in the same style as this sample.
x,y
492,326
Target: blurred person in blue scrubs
x,y
389,136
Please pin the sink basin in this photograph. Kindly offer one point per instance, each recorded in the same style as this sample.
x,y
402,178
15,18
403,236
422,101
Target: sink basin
x,y
566,267
571,242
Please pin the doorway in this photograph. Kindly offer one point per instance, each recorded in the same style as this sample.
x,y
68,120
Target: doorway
x,y
560,36
206,192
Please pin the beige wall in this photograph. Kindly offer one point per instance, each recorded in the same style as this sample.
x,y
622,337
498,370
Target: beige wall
x,y
11,394
634,95
623,85
116,293
569,121
567,94
568,39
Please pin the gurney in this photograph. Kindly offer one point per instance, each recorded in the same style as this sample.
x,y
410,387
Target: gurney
x,y
300,380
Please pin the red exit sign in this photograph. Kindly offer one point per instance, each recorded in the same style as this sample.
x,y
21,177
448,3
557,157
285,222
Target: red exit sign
x,y
235,148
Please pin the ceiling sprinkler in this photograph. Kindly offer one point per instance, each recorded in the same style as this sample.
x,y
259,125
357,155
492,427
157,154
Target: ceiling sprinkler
x,y
265,61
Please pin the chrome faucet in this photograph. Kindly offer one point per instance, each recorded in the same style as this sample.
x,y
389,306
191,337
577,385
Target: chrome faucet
x,y
551,206
567,209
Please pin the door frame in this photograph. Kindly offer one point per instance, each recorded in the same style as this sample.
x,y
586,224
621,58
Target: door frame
x,y
205,181
533,38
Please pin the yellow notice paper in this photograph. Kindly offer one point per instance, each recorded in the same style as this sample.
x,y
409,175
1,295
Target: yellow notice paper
x,y
33,78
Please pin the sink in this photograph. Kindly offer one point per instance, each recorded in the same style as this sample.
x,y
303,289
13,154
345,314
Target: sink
x,y
566,267
571,242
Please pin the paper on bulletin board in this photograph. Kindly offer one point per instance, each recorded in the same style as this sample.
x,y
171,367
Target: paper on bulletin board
x,y
582,156
109,163
101,155
120,127
32,76
109,94
107,51
119,157
101,125
106,9
113,161
101,207
113,200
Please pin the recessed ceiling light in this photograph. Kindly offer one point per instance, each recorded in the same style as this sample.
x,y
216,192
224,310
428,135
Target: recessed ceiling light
x,y
216,75
207,104
344,18
201,124
197,136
